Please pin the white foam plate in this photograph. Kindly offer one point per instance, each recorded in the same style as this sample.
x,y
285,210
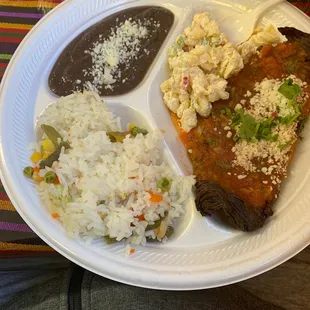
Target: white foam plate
x,y
204,253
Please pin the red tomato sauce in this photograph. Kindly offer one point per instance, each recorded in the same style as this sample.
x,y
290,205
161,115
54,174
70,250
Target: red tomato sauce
x,y
210,151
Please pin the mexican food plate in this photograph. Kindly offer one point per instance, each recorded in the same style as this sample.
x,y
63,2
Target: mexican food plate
x,y
141,144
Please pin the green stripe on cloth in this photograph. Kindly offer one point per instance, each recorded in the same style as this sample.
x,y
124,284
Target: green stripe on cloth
x,y
5,56
2,190
12,34
23,10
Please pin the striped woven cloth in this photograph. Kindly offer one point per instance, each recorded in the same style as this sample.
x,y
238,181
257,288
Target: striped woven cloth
x,y
17,17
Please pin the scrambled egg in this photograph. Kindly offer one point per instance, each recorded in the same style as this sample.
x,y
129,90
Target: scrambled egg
x,y
200,62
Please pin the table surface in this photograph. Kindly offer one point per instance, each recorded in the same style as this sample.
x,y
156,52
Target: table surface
x,y
287,286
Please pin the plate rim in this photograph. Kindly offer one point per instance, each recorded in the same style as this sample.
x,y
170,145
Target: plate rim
x,y
4,177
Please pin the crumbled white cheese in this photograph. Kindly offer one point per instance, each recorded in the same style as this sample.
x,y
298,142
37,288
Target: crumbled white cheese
x,y
120,48
247,152
266,102
241,177
238,106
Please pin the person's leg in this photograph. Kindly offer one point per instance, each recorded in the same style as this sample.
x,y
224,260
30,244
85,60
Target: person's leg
x,y
101,293
28,281
288,285
33,262
81,290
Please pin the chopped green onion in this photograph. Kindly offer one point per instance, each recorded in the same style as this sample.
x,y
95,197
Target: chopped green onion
x,y
289,119
228,112
294,118
236,138
236,119
274,138
283,146
251,130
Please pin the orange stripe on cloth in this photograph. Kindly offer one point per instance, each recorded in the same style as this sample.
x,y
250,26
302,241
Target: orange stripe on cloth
x,y
16,26
8,30
29,4
6,246
6,205
8,254
10,39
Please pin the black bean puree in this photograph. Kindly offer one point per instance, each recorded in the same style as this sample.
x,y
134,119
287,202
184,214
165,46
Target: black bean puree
x,y
69,67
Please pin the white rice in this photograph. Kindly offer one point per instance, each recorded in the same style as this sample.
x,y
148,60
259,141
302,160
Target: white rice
x,y
104,185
